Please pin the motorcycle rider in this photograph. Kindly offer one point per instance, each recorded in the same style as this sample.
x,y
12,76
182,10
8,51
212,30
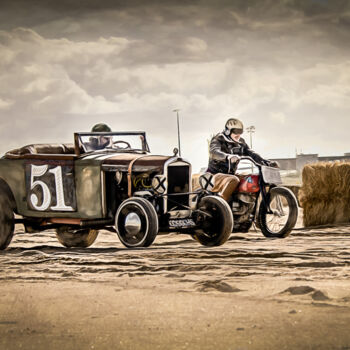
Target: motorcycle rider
x,y
225,151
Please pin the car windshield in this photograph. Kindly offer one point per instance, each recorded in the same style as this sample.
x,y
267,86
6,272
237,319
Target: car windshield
x,y
121,142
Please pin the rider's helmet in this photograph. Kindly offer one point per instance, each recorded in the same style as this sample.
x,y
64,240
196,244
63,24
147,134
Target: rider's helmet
x,y
101,127
233,125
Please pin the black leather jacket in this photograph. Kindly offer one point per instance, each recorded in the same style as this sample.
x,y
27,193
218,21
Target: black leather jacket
x,y
222,146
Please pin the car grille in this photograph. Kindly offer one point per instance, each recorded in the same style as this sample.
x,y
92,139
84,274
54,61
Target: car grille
x,y
178,182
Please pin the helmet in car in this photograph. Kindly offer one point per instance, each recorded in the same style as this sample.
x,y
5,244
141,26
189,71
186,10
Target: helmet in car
x,y
101,127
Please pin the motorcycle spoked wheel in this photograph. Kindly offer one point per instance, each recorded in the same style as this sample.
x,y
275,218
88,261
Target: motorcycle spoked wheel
x,y
283,218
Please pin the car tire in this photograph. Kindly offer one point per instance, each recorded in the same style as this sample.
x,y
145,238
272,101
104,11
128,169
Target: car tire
x,y
214,230
7,220
136,222
73,238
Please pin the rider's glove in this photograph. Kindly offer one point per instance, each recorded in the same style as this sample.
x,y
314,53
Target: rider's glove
x,y
233,158
273,164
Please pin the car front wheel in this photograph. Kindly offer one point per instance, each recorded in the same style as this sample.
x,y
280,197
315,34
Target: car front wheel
x,y
136,222
73,238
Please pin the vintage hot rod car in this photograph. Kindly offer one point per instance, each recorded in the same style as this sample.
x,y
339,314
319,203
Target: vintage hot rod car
x,y
105,180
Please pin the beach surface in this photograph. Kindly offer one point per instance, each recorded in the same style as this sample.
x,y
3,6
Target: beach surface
x,y
251,293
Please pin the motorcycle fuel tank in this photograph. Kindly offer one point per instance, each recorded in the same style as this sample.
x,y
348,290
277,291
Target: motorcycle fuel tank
x,y
249,183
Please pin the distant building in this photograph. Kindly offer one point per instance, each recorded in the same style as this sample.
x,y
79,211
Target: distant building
x,y
303,159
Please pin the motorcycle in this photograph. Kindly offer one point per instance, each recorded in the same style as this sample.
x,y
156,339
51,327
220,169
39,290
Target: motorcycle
x,y
260,199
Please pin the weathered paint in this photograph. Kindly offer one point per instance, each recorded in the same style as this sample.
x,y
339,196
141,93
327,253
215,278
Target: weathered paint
x,y
12,172
87,188
85,194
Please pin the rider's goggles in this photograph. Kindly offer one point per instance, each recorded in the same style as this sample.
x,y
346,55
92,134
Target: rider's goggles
x,y
237,131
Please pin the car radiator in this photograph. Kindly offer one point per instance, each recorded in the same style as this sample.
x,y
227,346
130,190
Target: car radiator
x,y
178,181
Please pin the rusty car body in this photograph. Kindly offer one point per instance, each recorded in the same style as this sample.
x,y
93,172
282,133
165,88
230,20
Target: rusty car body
x,y
116,184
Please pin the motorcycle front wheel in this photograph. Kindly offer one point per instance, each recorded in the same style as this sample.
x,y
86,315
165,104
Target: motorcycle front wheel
x,y
278,216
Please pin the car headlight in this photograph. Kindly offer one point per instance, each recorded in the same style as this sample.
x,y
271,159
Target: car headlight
x,y
118,176
158,184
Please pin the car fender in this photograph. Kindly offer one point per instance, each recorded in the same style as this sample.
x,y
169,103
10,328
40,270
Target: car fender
x,y
5,188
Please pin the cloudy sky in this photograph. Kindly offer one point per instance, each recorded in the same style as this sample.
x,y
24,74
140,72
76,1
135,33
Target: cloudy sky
x,y
282,66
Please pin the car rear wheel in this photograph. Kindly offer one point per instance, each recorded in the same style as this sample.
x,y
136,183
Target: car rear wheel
x,y
136,222
73,238
215,227
7,220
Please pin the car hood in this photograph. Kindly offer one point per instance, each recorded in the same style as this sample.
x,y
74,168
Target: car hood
x,y
140,162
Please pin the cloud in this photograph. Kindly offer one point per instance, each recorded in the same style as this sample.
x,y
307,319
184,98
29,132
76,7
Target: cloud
x,y
331,85
277,117
275,67
5,104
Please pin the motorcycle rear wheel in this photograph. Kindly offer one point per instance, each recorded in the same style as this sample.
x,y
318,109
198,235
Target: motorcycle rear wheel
x,y
283,218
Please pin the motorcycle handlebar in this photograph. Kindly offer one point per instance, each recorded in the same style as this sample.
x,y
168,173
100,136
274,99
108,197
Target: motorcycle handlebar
x,y
250,159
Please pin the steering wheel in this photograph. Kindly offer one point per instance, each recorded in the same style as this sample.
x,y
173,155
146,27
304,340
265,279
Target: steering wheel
x,y
115,143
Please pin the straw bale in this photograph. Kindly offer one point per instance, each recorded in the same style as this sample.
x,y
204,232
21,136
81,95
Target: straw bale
x,y
325,193
325,212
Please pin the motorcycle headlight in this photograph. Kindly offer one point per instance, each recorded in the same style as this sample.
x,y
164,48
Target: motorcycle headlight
x,y
158,184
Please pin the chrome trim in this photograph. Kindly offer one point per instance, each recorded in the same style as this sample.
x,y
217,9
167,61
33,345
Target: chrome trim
x,y
179,214
165,173
132,223
118,176
137,204
141,207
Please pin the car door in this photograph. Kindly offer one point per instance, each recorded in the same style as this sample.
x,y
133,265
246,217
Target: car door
x,y
50,186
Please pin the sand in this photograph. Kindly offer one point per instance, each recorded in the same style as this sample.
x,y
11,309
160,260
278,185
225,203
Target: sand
x,y
251,293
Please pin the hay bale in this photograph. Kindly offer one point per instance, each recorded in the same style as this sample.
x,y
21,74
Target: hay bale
x,y
325,193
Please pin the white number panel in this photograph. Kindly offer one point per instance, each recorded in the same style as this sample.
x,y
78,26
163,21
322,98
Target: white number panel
x,y
50,186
